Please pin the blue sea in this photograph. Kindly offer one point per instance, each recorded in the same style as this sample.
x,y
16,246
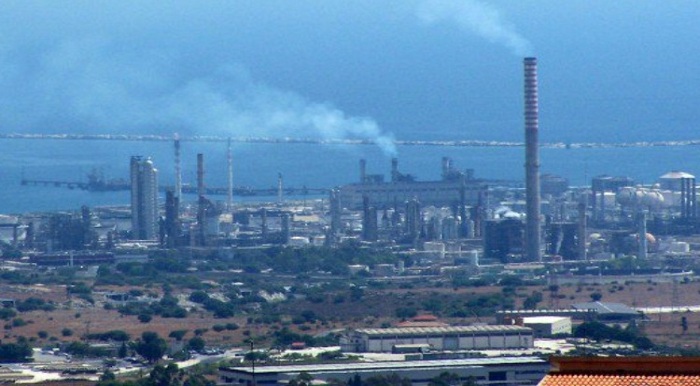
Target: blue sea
x,y
315,166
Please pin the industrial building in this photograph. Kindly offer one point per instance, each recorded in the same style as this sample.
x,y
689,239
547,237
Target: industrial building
x,y
509,316
548,326
501,371
73,258
440,338
455,187
144,199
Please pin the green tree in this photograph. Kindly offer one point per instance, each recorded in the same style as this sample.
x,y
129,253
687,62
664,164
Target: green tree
x,y
177,334
531,301
15,352
107,376
151,346
392,379
199,296
165,376
257,356
303,379
445,379
198,380
123,351
197,344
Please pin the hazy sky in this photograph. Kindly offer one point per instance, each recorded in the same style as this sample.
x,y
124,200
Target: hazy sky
x,y
408,69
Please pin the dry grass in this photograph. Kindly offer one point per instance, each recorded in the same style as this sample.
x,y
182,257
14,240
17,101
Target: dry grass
x,y
376,308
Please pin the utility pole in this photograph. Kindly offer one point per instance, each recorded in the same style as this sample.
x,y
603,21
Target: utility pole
x,y
252,358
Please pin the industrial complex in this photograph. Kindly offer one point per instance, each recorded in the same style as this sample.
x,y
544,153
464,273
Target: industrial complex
x,y
457,231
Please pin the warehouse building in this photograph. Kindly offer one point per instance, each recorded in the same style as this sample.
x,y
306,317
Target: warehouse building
x,y
439,338
493,371
548,326
508,316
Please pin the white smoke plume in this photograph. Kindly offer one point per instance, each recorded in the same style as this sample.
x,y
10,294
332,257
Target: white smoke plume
x,y
83,87
475,17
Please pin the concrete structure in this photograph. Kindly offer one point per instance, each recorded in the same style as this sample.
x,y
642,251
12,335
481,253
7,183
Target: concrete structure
x,y
172,224
602,188
684,183
454,187
548,326
440,338
492,371
504,239
144,199
553,185
532,162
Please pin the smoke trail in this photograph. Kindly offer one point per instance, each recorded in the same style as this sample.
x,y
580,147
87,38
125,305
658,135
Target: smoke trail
x,y
82,86
476,17
232,102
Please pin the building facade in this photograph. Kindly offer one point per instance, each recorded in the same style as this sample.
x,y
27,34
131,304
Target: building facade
x,y
502,371
548,326
144,199
439,338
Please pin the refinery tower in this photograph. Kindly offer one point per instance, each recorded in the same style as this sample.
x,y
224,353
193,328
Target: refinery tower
x,y
144,199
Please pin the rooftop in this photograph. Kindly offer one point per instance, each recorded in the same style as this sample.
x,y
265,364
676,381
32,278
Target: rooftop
x,y
606,308
360,366
621,371
394,331
619,380
544,319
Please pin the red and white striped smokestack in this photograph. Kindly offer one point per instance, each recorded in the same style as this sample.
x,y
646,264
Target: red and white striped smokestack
x,y
178,169
532,162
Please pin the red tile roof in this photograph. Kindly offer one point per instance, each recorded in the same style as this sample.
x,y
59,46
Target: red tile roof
x,y
619,380
624,371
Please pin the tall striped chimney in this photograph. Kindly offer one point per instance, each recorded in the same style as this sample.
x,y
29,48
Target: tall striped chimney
x,y
229,190
532,162
178,169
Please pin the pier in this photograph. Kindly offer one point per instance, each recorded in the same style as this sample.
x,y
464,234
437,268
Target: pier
x,y
120,185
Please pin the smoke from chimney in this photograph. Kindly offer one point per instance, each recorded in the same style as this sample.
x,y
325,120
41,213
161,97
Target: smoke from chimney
x,y
476,17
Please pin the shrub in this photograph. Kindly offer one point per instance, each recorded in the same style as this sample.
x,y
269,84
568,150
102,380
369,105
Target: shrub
x,y
18,322
218,327
177,334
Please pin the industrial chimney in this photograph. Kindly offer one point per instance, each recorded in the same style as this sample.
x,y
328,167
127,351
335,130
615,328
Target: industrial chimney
x,y
532,162
178,169
229,191
200,175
